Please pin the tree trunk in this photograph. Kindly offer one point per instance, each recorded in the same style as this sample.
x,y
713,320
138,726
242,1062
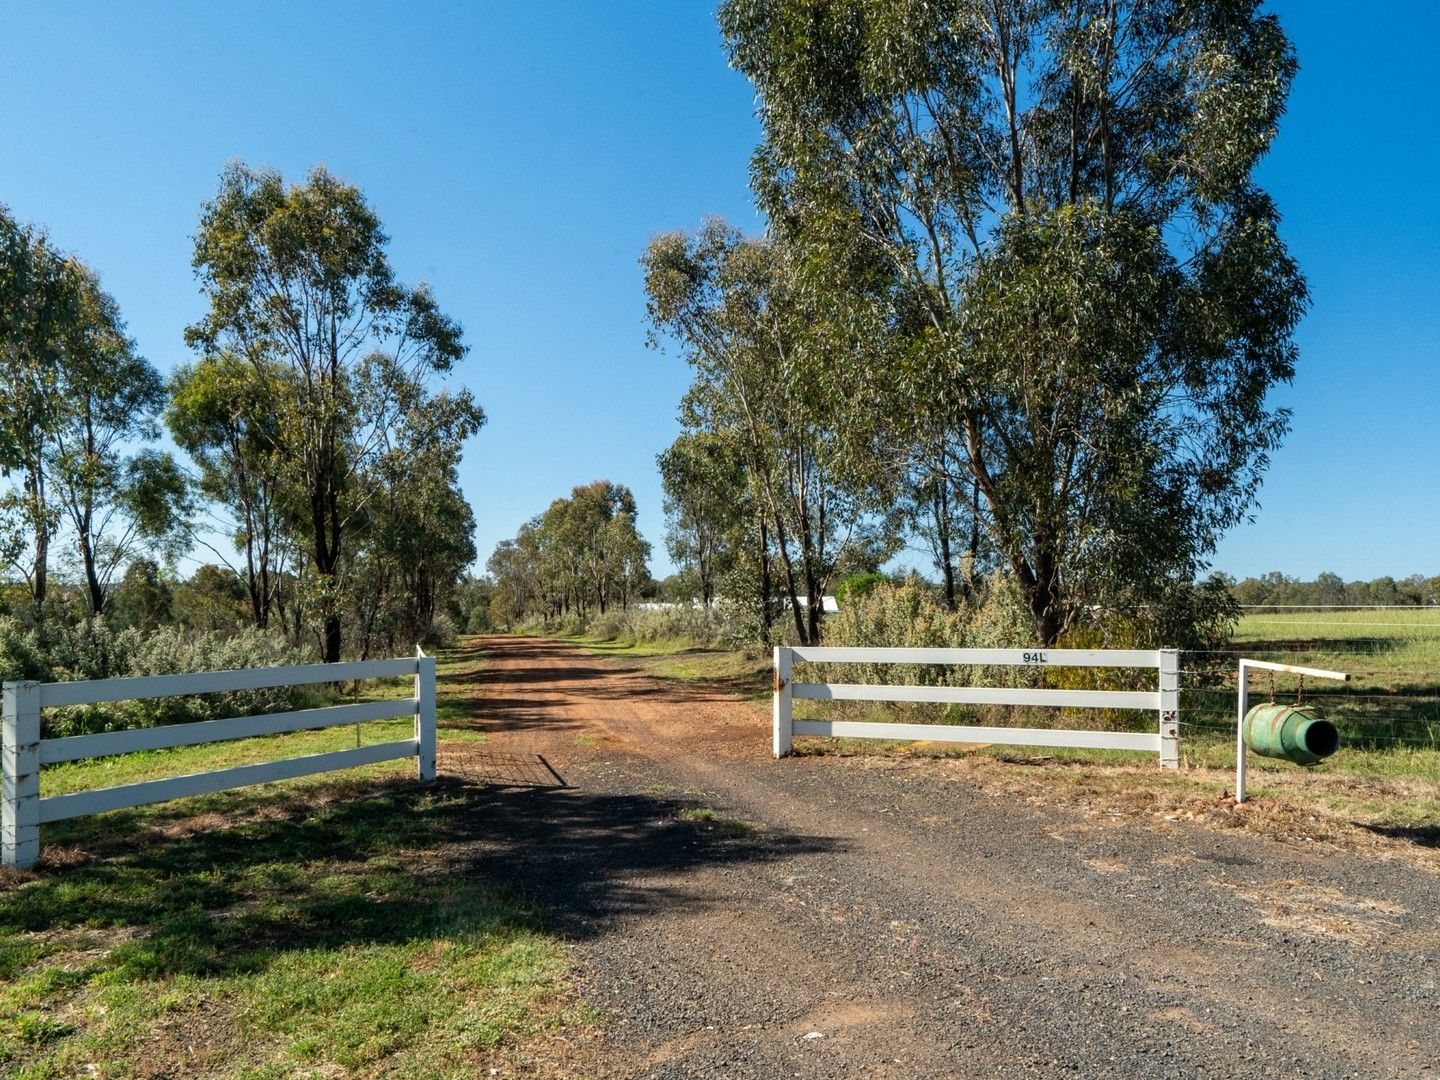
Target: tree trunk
x,y
942,537
815,613
1041,587
86,542
790,591
766,588
40,582
325,519
332,638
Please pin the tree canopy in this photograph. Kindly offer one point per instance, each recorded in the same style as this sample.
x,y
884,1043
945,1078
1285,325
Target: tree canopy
x,y
582,556
300,289
1055,281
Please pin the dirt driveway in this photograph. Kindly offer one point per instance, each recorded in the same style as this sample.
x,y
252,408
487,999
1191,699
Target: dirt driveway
x,y
740,917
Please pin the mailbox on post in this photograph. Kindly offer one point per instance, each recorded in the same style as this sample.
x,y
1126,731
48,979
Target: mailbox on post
x,y
1293,732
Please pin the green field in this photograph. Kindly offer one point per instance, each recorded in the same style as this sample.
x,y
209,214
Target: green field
x,y
1392,701
323,926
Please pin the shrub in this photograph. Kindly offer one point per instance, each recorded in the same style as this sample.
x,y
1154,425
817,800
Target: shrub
x,y
857,585
444,631
704,627
886,616
94,651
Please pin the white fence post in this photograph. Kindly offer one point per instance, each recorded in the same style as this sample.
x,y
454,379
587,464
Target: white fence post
x,y
1169,709
20,776
425,715
784,733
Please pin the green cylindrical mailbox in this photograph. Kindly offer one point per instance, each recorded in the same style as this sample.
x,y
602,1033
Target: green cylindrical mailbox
x,y
1292,732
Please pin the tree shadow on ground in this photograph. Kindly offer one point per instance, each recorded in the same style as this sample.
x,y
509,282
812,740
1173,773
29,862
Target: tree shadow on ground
x,y
226,884
1421,835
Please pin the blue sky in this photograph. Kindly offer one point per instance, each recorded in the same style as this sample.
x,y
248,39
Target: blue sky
x,y
522,155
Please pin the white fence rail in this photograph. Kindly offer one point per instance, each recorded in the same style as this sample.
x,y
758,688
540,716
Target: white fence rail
x,y
23,751
1164,701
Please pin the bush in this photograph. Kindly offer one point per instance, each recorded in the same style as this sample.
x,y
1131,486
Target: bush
x,y
704,627
94,650
443,631
857,585
885,616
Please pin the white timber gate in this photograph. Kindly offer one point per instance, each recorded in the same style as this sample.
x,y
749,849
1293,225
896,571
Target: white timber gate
x,y
1163,701
23,751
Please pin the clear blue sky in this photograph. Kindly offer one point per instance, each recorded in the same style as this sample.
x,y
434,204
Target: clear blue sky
x,y
521,155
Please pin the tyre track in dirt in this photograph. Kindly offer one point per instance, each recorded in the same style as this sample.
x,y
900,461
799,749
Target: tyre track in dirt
x,y
890,919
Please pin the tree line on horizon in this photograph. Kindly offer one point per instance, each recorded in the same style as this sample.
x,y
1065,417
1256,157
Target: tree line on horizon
x,y
1019,300
583,555
320,453
1331,590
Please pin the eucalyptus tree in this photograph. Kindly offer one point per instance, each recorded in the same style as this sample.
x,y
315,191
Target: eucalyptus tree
x,y
39,303
774,377
417,535
583,555
76,398
221,413
707,509
115,504
1047,209
298,275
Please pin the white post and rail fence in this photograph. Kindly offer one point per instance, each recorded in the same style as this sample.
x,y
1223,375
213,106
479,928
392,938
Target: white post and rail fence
x,y
22,751
1163,701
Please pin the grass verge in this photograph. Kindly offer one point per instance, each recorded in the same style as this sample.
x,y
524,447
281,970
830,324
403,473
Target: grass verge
x,y
323,926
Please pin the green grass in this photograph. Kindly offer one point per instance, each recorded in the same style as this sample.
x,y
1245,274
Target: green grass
x,y
1392,701
746,674
322,926
631,649
709,818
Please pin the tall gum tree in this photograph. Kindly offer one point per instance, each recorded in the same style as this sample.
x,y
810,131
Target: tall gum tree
x,y
297,275
39,302
115,504
221,414
772,374
1048,211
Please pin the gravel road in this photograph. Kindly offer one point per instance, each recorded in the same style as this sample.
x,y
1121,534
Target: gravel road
x,y
735,916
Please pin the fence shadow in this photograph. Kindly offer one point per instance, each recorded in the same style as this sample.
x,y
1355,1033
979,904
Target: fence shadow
x,y
478,766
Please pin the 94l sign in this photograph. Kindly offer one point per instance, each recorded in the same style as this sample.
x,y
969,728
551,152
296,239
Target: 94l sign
x,y
1034,658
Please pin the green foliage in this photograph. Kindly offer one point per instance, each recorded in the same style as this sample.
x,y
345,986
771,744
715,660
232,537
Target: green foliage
x,y
221,414
1031,235
93,649
358,449
858,585
1330,590
213,598
763,465
469,606
581,558
76,398
144,599
707,510
700,626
